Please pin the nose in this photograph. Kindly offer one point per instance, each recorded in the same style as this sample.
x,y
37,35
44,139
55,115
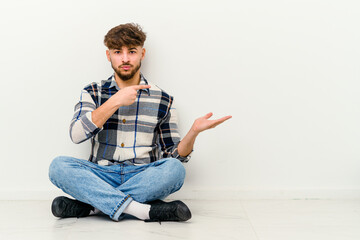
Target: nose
x,y
125,57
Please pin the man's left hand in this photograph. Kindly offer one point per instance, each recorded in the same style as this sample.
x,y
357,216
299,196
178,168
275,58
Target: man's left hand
x,y
203,123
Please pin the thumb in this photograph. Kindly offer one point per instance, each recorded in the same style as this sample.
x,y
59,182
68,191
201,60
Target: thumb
x,y
207,116
138,87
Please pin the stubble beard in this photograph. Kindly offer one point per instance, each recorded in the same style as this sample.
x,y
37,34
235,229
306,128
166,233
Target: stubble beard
x,y
128,75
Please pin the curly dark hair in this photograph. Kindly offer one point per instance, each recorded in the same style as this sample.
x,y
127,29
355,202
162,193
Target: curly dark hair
x,y
129,35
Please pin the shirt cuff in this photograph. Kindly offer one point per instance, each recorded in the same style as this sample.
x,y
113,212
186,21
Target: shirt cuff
x,y
89,126
182,159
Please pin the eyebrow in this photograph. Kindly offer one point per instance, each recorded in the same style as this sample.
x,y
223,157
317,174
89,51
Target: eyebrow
x,y
133,48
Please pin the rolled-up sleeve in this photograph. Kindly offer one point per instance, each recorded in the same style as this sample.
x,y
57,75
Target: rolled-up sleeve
x,y
82,126
169,137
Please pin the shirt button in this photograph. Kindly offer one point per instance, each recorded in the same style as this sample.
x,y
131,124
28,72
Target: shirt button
x,y
124,121
122,144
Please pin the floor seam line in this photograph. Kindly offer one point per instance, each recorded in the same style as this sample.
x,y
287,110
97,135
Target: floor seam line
x,y
247,216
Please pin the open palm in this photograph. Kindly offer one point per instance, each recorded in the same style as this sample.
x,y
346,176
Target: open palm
x,y
203,123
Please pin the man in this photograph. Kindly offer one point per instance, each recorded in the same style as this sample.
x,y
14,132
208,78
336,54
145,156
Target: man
x,y
136,155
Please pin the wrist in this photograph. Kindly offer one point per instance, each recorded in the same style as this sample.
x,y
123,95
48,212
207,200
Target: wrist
x,y
115,102
194,132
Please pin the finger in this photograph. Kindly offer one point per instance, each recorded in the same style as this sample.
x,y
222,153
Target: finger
x,y
221,120
215,124
207,116
138,87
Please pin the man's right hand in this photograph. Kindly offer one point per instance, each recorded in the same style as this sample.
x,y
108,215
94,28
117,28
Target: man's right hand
x,y
127,95
124,97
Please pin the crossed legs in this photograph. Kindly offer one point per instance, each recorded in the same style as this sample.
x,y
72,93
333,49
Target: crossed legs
x,y
112,188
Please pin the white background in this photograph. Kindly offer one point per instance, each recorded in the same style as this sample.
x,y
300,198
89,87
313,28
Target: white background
x,y
287,71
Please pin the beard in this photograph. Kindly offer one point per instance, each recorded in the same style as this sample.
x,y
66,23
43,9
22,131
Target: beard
x,y
127,75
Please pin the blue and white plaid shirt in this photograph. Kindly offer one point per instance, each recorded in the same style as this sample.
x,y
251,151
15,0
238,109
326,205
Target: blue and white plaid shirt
x,y
136,134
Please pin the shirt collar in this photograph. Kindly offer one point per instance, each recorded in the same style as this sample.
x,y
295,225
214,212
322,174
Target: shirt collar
x,y
143,81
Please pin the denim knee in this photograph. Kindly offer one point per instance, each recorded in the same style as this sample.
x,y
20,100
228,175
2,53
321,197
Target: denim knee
x,y
176,171
56,168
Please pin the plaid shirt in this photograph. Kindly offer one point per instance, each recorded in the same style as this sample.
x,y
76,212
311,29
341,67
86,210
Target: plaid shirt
x,y
136,134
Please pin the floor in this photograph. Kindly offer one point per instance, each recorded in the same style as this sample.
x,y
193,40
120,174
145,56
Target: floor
x,y
223,220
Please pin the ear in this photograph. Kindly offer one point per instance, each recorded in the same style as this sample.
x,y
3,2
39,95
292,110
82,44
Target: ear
x,y
143,54
108,55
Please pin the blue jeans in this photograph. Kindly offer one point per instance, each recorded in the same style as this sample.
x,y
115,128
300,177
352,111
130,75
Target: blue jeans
x,y
111,188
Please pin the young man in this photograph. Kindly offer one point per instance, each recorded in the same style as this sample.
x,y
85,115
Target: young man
x,y
136,155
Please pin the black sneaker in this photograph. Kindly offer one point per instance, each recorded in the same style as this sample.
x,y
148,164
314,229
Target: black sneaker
x,y
64,207
168,211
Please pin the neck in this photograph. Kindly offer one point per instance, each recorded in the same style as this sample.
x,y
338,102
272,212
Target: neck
x,y
135,80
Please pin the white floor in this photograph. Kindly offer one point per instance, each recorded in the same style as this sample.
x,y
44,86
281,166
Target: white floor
x,y
223,220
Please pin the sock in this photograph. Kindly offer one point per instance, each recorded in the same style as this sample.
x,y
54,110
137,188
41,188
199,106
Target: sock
x,y
95,211
139,210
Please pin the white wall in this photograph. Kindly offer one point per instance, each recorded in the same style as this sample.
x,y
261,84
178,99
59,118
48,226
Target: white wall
x,y
288,72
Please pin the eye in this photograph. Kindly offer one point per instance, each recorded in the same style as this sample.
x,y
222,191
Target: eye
x,y
117,52
132,52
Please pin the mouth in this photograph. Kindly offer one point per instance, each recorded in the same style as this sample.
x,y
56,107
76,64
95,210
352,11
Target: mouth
x,y
125,67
